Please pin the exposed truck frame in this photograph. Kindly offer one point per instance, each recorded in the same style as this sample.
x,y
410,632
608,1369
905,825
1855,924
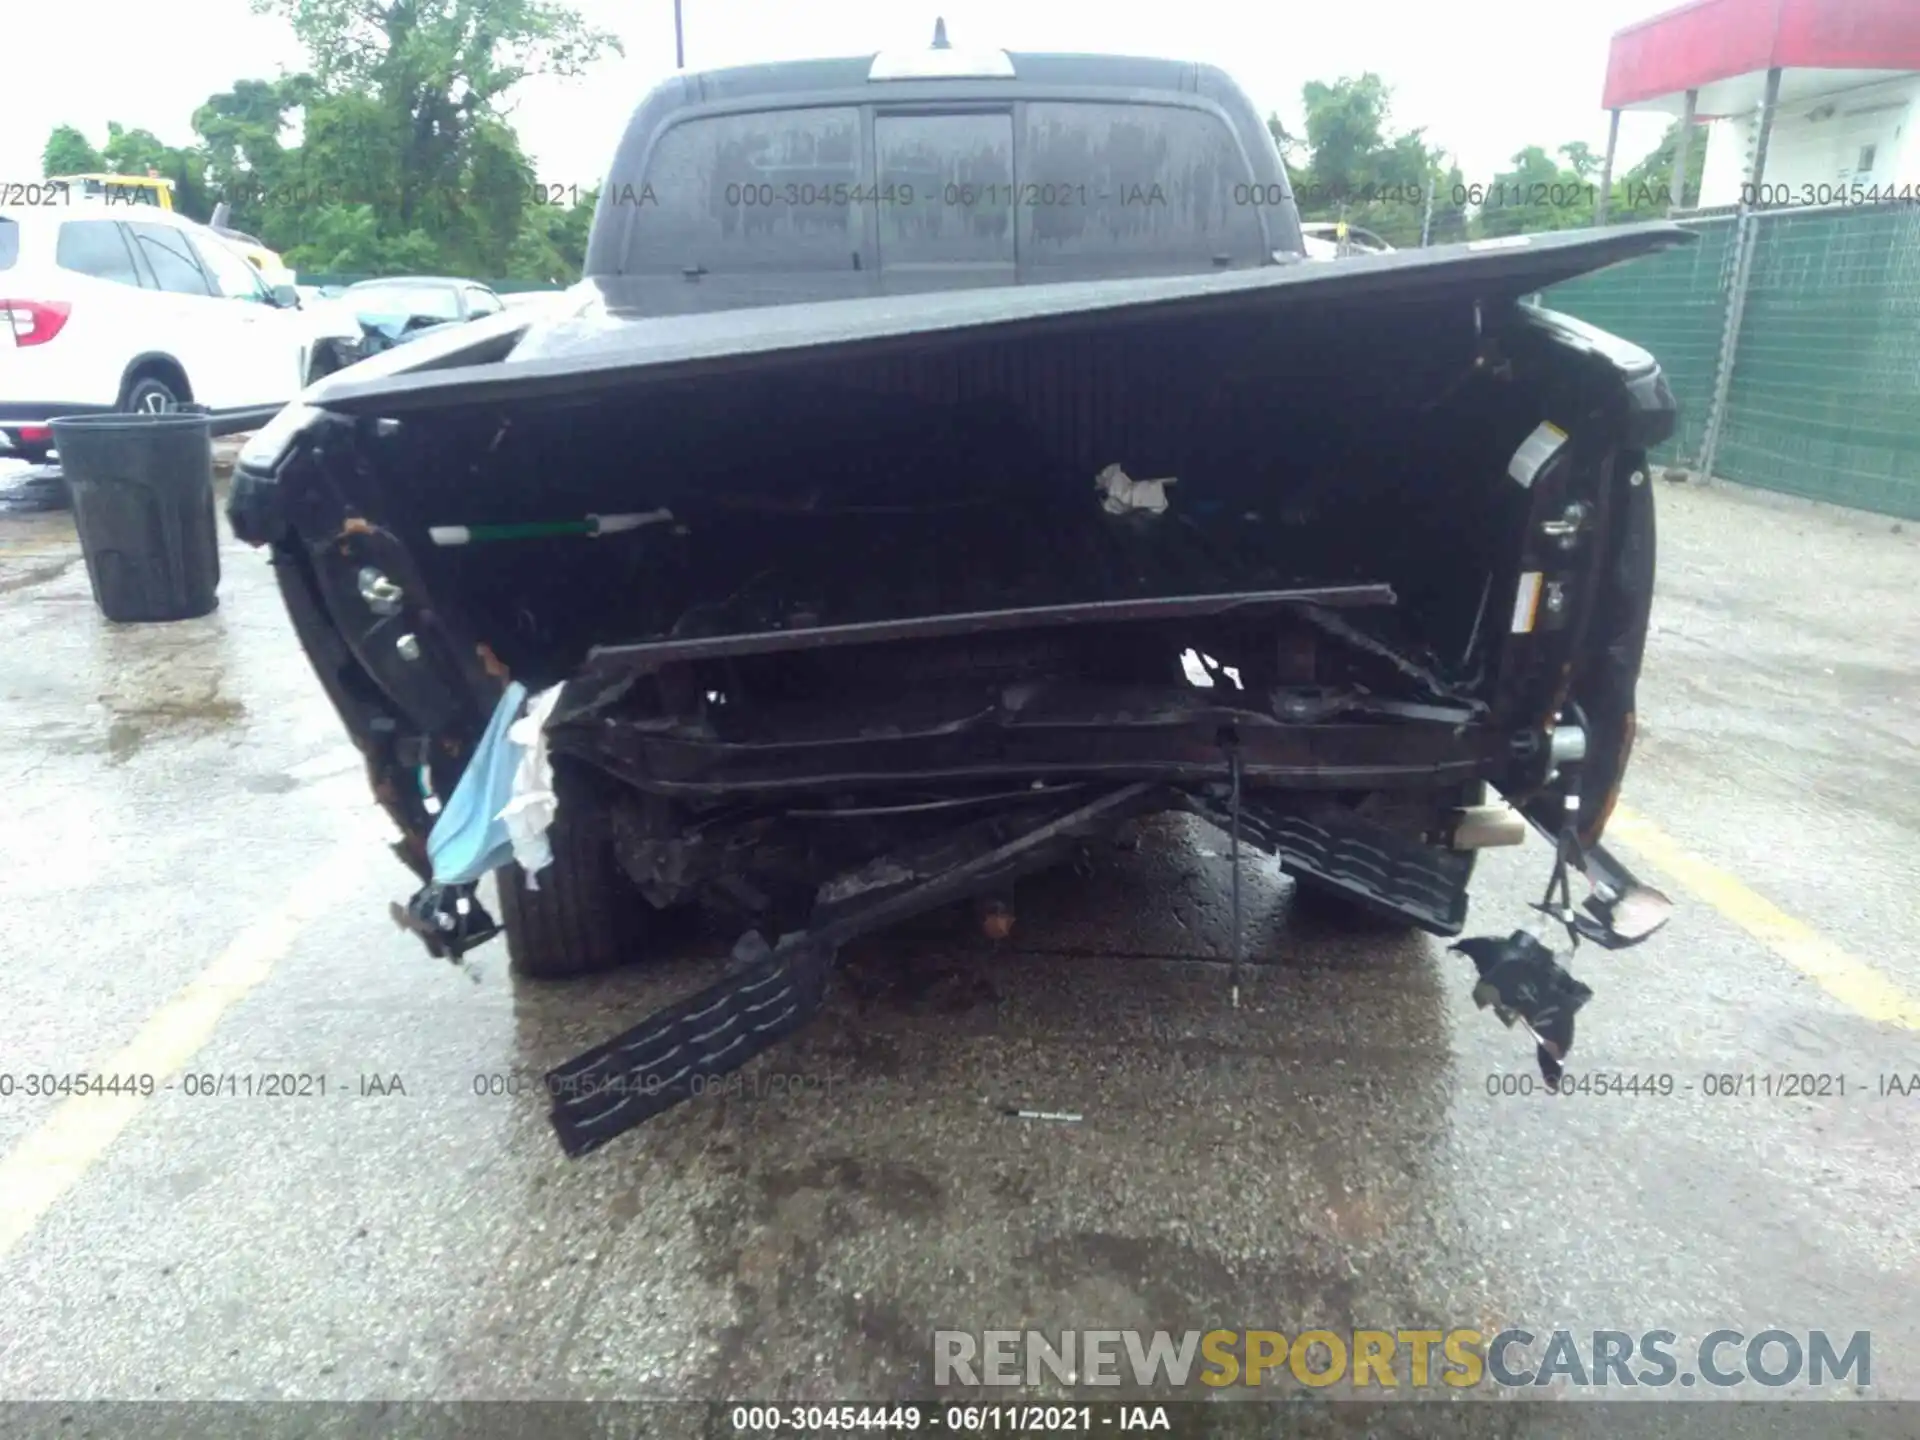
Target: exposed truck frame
x,y
888,646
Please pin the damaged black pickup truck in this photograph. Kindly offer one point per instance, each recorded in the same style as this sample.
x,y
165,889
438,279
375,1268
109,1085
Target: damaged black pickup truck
x,y
990,469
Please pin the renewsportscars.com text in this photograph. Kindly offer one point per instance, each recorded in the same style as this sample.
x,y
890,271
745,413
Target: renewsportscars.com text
x,y
1417,1359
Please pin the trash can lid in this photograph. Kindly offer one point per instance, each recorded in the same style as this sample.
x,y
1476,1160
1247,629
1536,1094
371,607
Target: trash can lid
x,y
197,417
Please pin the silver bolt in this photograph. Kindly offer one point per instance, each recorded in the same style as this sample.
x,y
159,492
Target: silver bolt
x,y
1556,599
383,597
1639,477
408,646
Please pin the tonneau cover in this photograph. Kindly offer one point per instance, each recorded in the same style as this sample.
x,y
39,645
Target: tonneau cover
x,y
602,346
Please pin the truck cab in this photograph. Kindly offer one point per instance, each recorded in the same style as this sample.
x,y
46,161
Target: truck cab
x,y
934,170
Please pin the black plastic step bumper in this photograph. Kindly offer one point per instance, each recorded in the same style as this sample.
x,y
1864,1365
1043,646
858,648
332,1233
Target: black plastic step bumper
x,y
1381,869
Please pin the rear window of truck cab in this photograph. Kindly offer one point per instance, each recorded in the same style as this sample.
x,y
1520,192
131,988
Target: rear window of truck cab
x,y
1033,187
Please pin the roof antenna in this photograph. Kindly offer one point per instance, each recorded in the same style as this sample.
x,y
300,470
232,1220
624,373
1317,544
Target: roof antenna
x,y
940,35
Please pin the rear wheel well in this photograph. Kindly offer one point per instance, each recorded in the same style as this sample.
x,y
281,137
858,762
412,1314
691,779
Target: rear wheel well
x,y
157,367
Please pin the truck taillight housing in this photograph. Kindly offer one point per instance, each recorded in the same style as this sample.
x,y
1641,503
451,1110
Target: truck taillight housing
x,y
33,322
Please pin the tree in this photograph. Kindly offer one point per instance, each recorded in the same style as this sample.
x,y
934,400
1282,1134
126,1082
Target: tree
x,y
350,239
1292,150
1536,194
1346,123
1644,191
67,152
1356,170
141,152
552,245
405,118
1449,223
247,164
1579,155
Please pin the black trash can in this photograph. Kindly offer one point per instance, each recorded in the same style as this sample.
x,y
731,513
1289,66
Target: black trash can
x,y
142,488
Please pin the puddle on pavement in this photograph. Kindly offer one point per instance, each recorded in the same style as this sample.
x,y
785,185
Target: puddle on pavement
x,y
175,693
24,572
154,682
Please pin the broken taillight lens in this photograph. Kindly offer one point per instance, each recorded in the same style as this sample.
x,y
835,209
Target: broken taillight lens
x,y
33,322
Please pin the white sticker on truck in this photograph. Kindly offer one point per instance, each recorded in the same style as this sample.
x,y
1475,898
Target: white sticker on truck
x,y
1526,600
1535,451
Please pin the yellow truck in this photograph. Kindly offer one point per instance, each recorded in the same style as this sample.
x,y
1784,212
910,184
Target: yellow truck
x,y
118,189
271,267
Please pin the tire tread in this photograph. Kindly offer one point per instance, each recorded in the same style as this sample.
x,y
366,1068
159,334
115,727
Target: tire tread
x,y
586,917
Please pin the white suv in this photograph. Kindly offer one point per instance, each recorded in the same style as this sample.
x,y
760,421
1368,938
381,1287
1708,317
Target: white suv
x,y
122,307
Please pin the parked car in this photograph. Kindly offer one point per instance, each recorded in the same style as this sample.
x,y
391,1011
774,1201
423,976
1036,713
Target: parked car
x,y
104,307
1335,239
395,310
865,561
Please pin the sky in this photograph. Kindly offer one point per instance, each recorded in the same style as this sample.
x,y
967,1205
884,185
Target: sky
x,y
1483,77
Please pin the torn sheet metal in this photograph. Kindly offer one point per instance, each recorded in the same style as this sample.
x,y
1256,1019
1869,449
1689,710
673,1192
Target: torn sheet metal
x,y
1522,980
1121,494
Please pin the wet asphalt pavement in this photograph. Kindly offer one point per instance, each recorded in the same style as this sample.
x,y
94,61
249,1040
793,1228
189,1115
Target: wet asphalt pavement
x,y
193,881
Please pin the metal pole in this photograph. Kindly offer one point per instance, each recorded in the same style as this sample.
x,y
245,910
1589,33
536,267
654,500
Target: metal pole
x,y
1769,104
1426,218
679,41
1744,239
1606,169
1677,192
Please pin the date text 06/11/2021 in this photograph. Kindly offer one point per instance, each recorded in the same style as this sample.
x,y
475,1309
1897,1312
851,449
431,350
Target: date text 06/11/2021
x,y
1712,1085
811,1420
198,1084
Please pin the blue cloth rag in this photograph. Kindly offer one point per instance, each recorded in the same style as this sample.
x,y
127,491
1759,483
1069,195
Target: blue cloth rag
x,y
468,837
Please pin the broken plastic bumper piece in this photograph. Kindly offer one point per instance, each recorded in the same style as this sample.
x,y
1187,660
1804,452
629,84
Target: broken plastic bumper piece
x,y
449,919
771,991
1622,910
1521,978
1522,981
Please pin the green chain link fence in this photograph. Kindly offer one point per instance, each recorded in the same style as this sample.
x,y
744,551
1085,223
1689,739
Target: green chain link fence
x,y
1824,399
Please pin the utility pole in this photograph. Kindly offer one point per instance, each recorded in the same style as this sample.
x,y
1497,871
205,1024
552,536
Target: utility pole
x,y
679,40
1605,198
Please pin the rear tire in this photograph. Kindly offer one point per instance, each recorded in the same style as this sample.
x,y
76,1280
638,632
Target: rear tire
x,y
150,395
586,917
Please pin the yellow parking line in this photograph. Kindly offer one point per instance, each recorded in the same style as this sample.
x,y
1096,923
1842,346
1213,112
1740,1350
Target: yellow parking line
x,y
53,1158
1851,981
